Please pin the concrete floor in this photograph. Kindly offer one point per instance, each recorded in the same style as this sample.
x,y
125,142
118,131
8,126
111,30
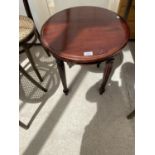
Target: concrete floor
x,y
84,122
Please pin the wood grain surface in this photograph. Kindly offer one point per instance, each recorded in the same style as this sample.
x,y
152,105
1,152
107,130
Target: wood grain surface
x,y
84,34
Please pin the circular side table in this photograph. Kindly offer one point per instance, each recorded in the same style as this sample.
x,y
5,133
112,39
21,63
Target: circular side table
x,y
84,35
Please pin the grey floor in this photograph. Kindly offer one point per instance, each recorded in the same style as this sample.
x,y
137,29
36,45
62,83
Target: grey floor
x,y
84,122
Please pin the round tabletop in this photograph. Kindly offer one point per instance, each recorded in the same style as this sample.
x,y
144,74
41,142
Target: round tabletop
x,y
84,34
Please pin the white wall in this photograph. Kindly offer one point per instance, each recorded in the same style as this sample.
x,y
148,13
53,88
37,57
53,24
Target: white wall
x,y
42,9
39,9
21,8
63,4
57,5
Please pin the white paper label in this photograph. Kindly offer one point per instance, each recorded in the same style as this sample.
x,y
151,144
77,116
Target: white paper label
x,y
88,53
117,17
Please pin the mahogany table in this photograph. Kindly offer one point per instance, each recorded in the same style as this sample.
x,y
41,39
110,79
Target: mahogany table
x,y
84,35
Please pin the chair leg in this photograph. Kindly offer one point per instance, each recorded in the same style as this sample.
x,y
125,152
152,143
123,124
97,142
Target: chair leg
x,y
31,79
48,54
33,64
23,125
38,36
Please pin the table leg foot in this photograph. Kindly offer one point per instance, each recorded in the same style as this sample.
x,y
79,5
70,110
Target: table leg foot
x,y
101,91
66,91
107,71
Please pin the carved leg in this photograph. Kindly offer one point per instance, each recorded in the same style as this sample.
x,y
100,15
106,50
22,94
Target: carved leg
x,y
33,64
31,79
107,72
61,69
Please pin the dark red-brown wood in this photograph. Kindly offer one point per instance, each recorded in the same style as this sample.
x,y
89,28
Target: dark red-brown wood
x,y
71,32
106,73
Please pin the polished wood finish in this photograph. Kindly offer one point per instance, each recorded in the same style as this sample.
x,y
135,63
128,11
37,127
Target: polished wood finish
x,y
69,33
106,74
74,32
